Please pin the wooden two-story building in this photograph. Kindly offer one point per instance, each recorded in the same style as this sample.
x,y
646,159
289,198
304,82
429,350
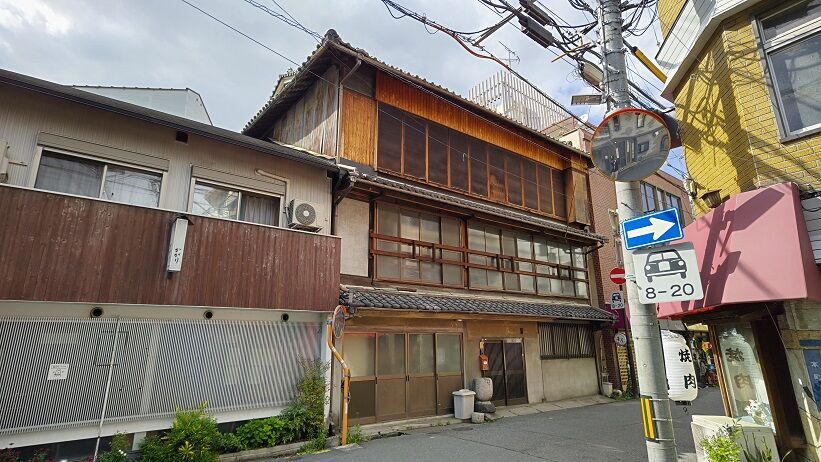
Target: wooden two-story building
x,y
147,264
463,234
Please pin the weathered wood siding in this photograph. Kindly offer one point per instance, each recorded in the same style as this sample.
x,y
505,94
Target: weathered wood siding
x,y
311,122
358,128
577,193
393,91
64,248
24,115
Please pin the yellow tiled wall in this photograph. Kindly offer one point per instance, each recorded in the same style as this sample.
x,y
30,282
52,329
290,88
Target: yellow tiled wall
x,y
668,11
728,123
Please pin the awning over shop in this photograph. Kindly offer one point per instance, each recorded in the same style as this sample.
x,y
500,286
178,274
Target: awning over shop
x,y
392,299
752,248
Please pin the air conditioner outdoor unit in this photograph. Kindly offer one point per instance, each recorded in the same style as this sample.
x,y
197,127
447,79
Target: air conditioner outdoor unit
x,y
752,435
303,215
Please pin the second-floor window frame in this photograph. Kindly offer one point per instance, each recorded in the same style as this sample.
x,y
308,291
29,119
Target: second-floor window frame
x,y
654,198
242,194
772,42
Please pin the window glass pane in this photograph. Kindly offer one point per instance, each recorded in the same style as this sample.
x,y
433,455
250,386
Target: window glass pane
x,y
529,184
497,174
437,153
564,254
391,355
513,166
540,246
410,269
745,382
556,286
660,202
430,272
387,220
387,267
213,201
796,69
421,354
543,285
553,253
70,175
579,258
448,353
581,289
508,243
478,167
559,202
527,283
545,190
408,228
511,282
359,353
429,229
452,274
451,231
567,288
259,209
389,152
801,13
132,186
414,147
458,161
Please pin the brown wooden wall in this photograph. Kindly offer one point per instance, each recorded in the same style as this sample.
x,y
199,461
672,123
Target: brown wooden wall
x,y
393,91
358,127
62,248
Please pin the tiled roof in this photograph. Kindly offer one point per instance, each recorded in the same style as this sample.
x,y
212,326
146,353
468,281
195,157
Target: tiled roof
x,y
305,76
356,297
482,207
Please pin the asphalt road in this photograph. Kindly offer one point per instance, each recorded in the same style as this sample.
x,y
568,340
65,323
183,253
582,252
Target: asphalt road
x,y
606,432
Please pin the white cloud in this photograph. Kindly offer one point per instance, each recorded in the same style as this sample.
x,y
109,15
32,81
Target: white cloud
x,y
18,14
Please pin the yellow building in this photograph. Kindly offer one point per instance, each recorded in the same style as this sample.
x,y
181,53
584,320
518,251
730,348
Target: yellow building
x,y
745,77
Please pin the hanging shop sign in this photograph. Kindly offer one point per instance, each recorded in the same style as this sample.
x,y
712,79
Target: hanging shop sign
x,y
681,371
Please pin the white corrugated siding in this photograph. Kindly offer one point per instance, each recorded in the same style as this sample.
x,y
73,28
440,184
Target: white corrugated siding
x,y
24,114
812,213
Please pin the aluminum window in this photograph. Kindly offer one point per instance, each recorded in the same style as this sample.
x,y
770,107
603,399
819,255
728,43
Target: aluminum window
x,y
222,201
791,39
90,177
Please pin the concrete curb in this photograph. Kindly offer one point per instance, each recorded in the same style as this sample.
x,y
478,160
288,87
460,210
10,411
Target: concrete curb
x,y
269,453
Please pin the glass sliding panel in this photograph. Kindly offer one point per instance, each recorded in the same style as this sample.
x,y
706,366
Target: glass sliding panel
x,y
476,241
545,189
525,250
391,354
513,168
478,167
360,354
414,150
451,235
579,258
421,354
70,175
581,289
795,71
559,197
458,161
529,182
564,255
509,248
259,209
496,159
409,229
389,151
387,223
437,153
132,186
214,201
448,353
746,387
387,267
493,245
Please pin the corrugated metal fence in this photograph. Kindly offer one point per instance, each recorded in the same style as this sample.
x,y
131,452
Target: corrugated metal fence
x,y
159,365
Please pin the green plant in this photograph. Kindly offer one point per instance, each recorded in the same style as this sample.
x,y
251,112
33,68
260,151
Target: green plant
x,y
40,456
8,455
722,446
315,444
307,411
192,438
117,450
228,443
355,435
262,433
756,454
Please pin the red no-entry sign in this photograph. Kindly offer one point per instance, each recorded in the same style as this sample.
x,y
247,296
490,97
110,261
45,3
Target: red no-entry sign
x,y
617,276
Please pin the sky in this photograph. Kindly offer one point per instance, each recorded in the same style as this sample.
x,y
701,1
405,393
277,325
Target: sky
x,y
169,44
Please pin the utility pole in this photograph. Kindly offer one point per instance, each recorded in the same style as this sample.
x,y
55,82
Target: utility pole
x,y
643,320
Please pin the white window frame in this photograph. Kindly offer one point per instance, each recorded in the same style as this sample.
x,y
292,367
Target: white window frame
x,y
240,190
38,155
781,41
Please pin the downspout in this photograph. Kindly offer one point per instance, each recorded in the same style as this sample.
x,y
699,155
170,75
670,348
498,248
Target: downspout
x,y
346,375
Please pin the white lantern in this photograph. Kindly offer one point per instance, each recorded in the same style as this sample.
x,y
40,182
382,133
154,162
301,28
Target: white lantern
x,y
681,372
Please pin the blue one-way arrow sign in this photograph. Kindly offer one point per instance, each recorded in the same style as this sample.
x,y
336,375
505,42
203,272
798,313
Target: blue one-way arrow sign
x,y
653,228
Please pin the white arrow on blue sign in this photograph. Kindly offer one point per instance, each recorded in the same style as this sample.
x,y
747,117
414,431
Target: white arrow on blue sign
x,y
650,229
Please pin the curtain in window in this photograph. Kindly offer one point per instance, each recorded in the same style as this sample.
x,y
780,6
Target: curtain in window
x,y
259,209
132,186
796,70
70,175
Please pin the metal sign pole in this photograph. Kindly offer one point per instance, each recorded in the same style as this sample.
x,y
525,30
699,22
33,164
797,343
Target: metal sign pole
x,y
661,446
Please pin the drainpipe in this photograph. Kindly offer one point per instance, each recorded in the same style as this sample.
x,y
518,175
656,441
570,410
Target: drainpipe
x,y
346,371
107,388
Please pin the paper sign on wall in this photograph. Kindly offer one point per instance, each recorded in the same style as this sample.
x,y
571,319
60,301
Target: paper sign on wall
x,y
57,371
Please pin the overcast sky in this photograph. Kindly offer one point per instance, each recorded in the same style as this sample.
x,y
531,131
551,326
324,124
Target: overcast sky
x,y
166,43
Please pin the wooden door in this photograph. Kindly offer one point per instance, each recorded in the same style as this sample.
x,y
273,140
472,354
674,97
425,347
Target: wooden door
x,y
449,374
360,353
421,391
391,377
496,361
515,389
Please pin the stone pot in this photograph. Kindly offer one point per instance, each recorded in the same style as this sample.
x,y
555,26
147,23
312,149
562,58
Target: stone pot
x,y
483,388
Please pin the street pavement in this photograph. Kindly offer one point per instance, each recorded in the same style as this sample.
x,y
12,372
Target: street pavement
x,y
606,432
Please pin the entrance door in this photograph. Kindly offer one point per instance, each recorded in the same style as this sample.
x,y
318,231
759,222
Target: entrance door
x,y
506,369
391,380
448,370
421,375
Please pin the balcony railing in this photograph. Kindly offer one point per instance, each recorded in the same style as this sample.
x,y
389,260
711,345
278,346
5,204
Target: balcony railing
x,y
55,247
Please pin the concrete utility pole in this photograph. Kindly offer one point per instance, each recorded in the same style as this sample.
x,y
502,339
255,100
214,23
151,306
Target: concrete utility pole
x,y
645,325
